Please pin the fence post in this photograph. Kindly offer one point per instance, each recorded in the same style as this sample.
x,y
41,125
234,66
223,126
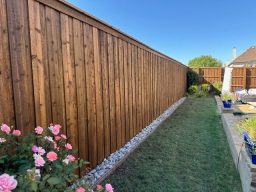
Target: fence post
x,y
199,75
220,74
244,78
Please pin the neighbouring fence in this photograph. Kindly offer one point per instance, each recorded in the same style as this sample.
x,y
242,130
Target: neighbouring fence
x,y
242,77
60,65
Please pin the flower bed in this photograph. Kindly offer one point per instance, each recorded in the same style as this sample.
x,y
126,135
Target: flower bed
x,y
40,161
241,159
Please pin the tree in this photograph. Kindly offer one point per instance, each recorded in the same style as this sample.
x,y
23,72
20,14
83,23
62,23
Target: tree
x,y
204,61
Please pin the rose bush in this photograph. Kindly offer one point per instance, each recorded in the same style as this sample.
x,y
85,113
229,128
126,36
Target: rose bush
x,y
39,162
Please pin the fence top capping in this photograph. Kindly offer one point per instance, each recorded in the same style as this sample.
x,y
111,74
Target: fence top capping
x,y
206,67
64,2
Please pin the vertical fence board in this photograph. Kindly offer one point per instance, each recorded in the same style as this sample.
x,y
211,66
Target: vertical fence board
x,y
126,92
117,94
91,95
19,40
39,64
112,92
136,78
130,91
6,93
54,51
105,87
80,73
69,78
99,101
122,89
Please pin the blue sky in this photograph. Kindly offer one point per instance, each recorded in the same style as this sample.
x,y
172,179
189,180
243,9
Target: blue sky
x,y
182,29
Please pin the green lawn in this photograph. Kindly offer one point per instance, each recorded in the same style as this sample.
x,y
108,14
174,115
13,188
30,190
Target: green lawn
x,y
188,152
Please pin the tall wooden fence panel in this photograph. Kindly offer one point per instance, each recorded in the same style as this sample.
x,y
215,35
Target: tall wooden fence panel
x,y
242,77
60,65
209,74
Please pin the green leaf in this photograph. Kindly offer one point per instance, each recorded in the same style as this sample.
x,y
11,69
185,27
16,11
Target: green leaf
x,y
54,180
34,186
46,177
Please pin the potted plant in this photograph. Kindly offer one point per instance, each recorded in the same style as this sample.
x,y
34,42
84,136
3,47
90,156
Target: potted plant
x,y
248,128
227,99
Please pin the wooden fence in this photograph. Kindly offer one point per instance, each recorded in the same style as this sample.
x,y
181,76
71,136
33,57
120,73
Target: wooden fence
x,y
242,77
209,74
60,65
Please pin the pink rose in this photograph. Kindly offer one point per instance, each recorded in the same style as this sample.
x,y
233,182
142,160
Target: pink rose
x,y
16,132
39,161
39,130
57,138
55,129
109,188
68,146
5,128
71,158
35,149
41,151
52,156
80,189
7,183
63,136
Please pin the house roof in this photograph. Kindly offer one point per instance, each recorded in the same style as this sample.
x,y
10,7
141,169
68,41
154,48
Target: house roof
x,y
249,56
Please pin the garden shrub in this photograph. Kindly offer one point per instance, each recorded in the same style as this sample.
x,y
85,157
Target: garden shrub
x,y
41,161
192,78
205,88
200,94
192,89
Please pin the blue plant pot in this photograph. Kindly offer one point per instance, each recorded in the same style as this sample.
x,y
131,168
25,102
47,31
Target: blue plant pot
x,y
227,104
254,159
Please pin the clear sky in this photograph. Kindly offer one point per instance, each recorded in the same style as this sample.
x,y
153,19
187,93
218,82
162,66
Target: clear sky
x,y
182,29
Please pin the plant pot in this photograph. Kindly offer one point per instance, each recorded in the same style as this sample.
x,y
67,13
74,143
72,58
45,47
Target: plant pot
x,y
227,104
254,159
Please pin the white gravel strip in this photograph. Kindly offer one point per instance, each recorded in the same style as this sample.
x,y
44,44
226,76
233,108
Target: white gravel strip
x,y
110,163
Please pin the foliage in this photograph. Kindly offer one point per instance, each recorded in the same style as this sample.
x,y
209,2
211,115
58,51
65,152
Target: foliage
x,y
192,89
201,93
204,61
248,125
217,87
41,161
192,78
205,88
227,96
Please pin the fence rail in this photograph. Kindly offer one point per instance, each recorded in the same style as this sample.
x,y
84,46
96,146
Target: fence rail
x,y
242,77
60,65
